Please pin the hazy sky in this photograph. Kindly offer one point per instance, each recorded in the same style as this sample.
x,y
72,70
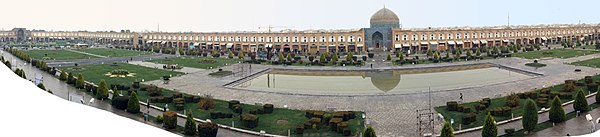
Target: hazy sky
x,y
232,15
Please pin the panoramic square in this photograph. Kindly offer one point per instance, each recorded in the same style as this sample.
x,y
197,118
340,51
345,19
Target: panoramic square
x,y
232,68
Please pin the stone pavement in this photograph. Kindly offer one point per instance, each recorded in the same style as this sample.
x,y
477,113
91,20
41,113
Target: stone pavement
x,y
390,115
576,126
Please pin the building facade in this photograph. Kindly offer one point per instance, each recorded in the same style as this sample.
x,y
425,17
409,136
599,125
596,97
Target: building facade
x,y
384,34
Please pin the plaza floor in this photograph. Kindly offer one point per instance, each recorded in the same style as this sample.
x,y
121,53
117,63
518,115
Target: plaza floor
x,y
390,115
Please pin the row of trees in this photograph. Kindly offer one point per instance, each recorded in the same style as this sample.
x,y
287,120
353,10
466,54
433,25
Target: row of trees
x,y
530,116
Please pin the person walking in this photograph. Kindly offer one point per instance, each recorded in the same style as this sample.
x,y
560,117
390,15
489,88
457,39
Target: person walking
x,y
461,97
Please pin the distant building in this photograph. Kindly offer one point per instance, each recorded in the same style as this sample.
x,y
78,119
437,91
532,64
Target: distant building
x,y
384,34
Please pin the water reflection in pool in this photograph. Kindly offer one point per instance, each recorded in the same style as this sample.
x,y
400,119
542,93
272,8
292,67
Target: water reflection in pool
x,y
379,82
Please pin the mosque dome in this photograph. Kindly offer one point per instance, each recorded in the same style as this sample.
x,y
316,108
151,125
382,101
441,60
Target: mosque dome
x,y
385,18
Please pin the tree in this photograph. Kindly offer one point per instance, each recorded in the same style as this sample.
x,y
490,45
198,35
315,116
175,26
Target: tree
x,y
469,55
447,54
436,56
349,57
190,124
447,130
457,55
229,55
557,113
369,132
322,58
489,127
429,52
80,81
281,59
530,116
102,92
41,86
241,55
389,57
63,76
133,106
580,103
7,63
402,55
289,57
334,58
70,78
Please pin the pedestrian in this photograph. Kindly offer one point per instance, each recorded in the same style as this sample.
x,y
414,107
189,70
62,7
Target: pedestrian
x,y
145,117
371,65
166,105
461,97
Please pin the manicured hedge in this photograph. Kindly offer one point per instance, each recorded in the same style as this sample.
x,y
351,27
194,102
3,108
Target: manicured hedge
x,y
469,118
452,106
120,102
170,119
249,120
268,108
208,129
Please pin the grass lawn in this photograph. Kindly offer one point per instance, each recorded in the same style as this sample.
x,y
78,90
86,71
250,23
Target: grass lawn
x,y
95,73
278,122
113,52
590,63
535,65
196,62
588,47
500,102
57,54
555,53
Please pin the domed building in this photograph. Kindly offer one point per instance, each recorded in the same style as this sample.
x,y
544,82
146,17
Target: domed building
x,y
379,36
385,18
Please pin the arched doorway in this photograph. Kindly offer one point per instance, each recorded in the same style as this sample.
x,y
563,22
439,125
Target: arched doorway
x,y
377,41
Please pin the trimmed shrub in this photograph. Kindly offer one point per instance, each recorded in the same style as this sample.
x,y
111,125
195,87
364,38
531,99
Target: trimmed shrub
x,y
588,79
469,118
334,122
249,120
268,108
237,108
153,91
530,116
346,132
63,76
452,106
232,103
208,129
120,102
512,100
170,120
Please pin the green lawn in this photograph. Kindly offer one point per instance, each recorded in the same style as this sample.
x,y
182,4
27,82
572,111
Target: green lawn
x,y
57,54
267,122
113,52
588,47
95,73
500,102
195,62
590,63
555,53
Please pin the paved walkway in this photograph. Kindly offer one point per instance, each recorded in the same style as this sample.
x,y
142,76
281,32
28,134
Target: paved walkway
x,y
160,66
390,115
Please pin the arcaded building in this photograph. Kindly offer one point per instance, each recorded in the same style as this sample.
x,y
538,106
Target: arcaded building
x,y
385,33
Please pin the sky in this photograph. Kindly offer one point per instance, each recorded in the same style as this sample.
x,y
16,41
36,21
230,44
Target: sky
x,y
250,15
